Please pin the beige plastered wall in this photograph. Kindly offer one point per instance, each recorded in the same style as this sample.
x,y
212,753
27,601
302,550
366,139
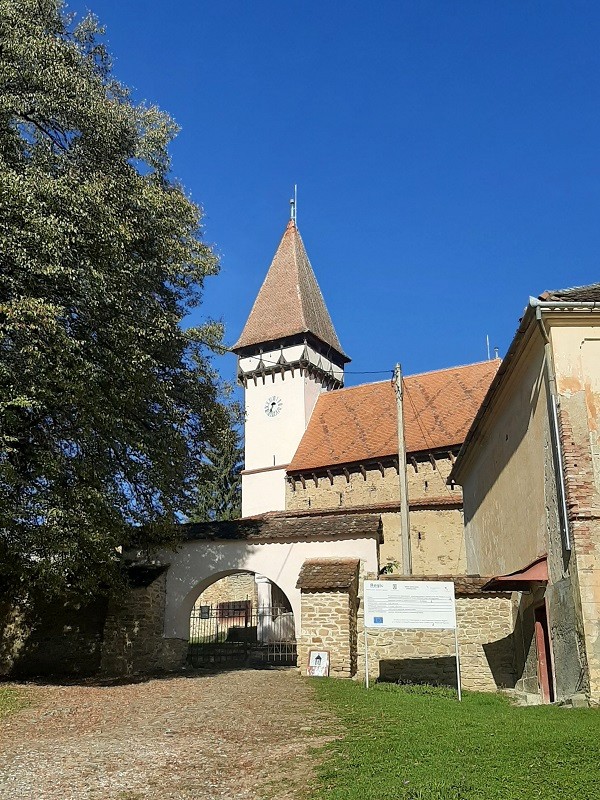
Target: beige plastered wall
x,y
511,508
504,480
436,532
576,351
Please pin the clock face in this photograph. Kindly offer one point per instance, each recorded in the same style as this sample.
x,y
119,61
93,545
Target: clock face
x,y
273,406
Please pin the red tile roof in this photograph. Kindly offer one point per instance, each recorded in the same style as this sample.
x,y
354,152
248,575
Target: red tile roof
x,y
289,301
359,424
328,573
577,294
278,525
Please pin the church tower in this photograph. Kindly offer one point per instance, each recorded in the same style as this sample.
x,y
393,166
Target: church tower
x,y
287,354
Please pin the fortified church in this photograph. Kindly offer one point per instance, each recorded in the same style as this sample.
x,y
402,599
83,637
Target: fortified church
x,y
315,447
325,471
322,464
321,514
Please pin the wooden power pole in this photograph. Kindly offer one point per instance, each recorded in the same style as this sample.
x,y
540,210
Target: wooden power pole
x,y
404,510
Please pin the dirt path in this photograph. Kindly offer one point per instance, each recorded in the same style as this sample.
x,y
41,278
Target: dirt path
x,y
240,735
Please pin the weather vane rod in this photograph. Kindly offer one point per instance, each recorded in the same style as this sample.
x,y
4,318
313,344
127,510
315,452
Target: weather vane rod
x,y
294,205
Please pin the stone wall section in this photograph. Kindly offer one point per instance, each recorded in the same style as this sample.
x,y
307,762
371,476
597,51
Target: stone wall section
x,y
329,623
133,634
437,541
583,503
425,481
232,588
437,532
420,656
59,638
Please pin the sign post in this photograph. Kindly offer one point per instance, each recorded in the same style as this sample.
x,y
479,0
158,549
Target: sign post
x,y
405,605
457,664
366,659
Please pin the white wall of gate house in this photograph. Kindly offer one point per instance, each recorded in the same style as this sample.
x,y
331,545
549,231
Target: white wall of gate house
x,y
196,565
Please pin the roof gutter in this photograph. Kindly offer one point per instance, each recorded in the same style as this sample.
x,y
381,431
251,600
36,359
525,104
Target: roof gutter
x,y
548,305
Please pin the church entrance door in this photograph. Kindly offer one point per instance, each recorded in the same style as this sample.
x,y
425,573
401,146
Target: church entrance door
x,y
544,654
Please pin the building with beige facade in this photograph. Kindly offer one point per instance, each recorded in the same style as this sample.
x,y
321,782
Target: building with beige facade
x,y
530,474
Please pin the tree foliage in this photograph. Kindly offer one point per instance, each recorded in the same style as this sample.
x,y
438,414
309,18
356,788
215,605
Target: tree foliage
x,y
106,403
220,486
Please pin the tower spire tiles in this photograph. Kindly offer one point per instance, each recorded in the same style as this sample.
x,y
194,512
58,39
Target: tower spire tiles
x,y
288,353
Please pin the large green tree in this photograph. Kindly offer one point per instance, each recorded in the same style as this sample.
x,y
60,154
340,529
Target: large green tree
x,y
106,403
220,485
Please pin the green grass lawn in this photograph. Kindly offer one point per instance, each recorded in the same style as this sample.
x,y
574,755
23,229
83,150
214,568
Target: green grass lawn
x,y
10,700
414,743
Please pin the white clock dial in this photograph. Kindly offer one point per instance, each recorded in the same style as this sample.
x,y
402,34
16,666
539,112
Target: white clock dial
x,y
273,406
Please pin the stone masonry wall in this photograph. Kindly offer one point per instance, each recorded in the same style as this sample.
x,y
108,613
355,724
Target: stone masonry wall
x,y
60,638
329,623
420,656
583,501
133,634
437,533
424,482
240,586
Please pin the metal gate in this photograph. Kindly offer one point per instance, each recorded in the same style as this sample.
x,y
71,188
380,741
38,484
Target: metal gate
x,y
234,633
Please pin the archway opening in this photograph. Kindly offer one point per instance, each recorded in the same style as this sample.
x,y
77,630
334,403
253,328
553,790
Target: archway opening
x,y
242,619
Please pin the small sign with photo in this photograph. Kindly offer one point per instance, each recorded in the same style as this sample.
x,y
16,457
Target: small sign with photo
x,y
318,663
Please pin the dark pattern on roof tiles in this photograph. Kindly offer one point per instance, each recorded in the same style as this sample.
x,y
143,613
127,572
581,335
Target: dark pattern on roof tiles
x,y
359,424
271,527
327,573
576,294
289,301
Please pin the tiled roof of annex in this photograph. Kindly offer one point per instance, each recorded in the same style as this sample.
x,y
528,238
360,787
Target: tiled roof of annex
x,y
328,573
575,294
290,301
358,424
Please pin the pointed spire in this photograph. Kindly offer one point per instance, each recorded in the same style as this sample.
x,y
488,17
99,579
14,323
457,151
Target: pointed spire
x,y
289,301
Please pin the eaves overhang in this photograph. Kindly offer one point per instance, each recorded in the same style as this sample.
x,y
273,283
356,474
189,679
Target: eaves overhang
x,y
507,365
304,336
522,580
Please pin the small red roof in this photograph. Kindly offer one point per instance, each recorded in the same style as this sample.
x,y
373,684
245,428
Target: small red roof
x,y
522,579
328,573
359,423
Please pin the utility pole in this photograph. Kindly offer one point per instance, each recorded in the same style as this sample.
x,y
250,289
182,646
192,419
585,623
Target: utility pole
x,y
404,510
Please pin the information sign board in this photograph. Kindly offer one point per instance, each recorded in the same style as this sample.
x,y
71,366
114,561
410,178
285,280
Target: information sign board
x,y
410,604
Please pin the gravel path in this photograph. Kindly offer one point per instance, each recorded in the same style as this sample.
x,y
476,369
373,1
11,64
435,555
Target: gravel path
x,y
243,735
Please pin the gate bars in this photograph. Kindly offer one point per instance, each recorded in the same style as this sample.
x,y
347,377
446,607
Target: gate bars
x,y
235,633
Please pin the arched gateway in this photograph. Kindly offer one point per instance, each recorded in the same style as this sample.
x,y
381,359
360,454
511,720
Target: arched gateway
x,y
275,546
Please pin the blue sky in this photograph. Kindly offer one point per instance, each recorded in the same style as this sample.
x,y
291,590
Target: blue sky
x,y
446,156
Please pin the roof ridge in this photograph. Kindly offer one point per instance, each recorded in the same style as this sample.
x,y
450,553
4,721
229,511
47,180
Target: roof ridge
x,y
412,375
457,366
